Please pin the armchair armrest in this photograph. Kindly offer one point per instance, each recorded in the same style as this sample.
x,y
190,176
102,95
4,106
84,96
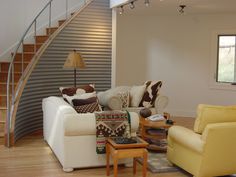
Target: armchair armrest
x,y
185,137
220,135
160,103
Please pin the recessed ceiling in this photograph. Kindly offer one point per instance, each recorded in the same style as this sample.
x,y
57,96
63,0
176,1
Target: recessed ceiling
x,y
171,7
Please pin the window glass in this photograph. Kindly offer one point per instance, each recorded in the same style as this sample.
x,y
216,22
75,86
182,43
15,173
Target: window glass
x,y
226,58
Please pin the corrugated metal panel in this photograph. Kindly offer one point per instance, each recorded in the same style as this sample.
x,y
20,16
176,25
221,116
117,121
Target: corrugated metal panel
x,y
90,33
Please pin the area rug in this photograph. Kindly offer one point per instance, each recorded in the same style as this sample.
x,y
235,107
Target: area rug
x,y
158,163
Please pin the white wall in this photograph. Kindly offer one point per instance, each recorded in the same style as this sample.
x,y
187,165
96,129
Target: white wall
x,y
175,49
16,16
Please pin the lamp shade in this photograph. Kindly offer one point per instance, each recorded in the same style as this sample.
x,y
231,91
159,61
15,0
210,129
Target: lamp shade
x,y
74,60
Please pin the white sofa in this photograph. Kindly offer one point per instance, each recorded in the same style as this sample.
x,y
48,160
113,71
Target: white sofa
x,y
109,100
72,136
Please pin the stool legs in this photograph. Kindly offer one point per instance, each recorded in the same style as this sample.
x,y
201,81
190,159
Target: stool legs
x,y
115,163
134,166
108,159
145,156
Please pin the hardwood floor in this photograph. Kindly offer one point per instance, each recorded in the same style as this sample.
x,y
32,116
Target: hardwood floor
x,y
31,157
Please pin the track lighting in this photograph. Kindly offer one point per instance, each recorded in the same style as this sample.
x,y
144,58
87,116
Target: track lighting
x,y
121,10
146,2
132,5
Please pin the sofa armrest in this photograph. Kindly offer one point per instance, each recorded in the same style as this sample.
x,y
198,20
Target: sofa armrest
x,y
160,103
85,124
185,137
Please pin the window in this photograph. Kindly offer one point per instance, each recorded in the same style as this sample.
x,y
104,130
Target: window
x,y
226,66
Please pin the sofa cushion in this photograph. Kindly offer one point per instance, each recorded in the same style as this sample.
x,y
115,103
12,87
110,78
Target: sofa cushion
x,y
151,93
91,107
136,94
77,96
80,102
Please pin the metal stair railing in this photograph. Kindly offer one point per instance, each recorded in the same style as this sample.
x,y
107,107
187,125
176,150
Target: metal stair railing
x,y
13,93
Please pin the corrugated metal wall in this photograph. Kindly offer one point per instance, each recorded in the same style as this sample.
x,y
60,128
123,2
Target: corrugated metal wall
x,y
90,33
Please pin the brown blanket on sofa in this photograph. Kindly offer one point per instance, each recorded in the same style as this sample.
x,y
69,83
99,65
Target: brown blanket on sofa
x,y
110,124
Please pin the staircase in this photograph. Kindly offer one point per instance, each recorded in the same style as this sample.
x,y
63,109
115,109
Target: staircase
x,y
20,61
29,51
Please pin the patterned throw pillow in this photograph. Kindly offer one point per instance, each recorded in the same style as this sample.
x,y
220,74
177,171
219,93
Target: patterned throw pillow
x,y
124,97
70,91
92,107
80,102
151,93
76,96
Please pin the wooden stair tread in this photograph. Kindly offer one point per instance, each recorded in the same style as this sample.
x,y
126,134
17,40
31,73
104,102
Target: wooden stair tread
x,y
15,72
4,83
7,62
2,121
3,108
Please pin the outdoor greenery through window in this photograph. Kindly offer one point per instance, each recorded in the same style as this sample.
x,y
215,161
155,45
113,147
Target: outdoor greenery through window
x,y
226,69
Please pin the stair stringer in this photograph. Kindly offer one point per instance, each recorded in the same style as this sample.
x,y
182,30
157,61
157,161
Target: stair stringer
x,y
100,7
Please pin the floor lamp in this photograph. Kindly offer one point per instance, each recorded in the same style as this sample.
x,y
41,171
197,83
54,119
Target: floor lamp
x,y
74,60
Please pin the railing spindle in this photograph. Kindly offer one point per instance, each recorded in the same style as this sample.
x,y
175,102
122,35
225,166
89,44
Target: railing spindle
x,y
22,58
35,33
50,17
66,9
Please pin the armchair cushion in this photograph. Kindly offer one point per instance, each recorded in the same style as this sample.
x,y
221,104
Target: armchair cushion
x,y
213,114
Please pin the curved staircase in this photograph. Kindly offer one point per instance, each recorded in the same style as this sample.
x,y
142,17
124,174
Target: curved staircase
x,y
29,51
14,74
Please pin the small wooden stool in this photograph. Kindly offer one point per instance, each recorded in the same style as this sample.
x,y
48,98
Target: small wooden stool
x,y
119,151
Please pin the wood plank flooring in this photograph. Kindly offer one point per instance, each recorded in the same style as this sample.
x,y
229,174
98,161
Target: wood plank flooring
x,y
31,157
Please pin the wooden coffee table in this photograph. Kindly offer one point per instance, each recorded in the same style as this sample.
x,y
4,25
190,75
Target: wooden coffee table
x,y
119,151
146,124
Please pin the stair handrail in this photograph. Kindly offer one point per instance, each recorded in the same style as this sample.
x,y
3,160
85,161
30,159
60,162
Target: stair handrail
x,y
10,78
11,68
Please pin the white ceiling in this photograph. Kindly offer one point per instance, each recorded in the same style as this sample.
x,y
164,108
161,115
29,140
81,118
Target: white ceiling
x,y
171,7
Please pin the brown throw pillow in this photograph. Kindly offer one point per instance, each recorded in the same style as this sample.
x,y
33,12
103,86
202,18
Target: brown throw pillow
x,y
151,93
92,107
80,102
70,91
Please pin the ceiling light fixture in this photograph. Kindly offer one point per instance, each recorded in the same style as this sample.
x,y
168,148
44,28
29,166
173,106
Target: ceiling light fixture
x,y
121,10
132,5
146,2
181,8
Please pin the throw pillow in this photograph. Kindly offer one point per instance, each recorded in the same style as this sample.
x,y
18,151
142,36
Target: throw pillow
x,y
136,94
80,102
151,93
70,91
92,107
82,96
124,97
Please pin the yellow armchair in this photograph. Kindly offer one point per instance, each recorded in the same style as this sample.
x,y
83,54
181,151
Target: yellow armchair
x,y
210,149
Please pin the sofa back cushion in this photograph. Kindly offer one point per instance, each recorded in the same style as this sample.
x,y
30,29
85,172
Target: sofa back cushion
x,y
207,114
136,94
151,93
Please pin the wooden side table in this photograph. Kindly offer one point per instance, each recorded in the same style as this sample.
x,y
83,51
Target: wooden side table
x,y
146,124
119,151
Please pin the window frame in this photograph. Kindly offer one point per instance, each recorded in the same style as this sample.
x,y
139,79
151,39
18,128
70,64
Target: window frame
x,y
217,64
213,84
